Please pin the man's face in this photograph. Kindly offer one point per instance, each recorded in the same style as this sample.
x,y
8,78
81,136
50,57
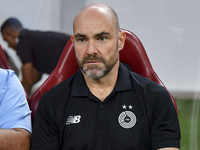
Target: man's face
x,y
96,45
9,38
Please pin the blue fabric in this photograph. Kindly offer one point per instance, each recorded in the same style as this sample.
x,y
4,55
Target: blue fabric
x,y
14,109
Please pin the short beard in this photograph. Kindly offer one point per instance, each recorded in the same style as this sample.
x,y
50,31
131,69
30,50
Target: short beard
x,y
94,71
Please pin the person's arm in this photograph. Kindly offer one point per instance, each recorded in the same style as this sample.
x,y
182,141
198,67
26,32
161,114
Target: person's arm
x,y
165,129
30,75
45,135
14,139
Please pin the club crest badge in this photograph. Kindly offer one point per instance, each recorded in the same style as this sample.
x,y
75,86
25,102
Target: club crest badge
x,y
127,119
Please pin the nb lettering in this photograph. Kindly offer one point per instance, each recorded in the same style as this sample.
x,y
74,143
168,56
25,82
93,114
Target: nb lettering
x,y
73,119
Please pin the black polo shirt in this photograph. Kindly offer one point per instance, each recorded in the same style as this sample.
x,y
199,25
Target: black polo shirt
x,y
43,49
137,115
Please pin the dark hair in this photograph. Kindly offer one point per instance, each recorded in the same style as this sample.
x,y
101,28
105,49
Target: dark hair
x,y
13,23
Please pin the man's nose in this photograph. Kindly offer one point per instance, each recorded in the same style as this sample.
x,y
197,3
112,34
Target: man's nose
x,y
91,49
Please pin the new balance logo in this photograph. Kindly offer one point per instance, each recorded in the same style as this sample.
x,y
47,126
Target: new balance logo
x,y
73,119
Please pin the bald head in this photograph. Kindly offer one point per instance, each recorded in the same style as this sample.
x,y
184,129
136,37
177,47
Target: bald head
x,y
97,11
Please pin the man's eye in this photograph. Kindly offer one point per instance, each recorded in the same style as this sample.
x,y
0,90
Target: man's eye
x,y
102,38
81,40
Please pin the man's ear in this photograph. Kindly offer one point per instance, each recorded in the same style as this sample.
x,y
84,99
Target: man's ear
x,y
121,39
72,37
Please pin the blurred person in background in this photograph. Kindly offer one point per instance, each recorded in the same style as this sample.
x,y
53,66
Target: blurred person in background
x,y
39,51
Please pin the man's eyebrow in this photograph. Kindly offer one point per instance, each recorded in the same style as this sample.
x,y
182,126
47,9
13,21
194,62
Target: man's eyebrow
x,y
96,35
79,35
102,33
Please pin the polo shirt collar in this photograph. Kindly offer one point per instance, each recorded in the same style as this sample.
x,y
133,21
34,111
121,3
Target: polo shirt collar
x,y
123,81
79,87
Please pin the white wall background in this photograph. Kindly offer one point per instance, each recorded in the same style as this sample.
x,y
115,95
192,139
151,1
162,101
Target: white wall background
x,y
169,31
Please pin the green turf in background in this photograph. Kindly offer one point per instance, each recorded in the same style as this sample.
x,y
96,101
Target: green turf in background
x,y
189,118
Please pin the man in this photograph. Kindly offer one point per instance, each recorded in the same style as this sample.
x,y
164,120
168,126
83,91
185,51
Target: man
x,y
103,106
38,51
15,115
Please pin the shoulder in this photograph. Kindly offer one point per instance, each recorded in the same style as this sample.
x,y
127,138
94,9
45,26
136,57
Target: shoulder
x,y
5,72
54,99
28,36
10,82
52,34
155,97
145,83
5,75
153,93
25,39
57,36
24,33
60,90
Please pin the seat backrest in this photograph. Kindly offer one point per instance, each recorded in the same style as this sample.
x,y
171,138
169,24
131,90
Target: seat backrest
x,y
135,56
132,54
3,60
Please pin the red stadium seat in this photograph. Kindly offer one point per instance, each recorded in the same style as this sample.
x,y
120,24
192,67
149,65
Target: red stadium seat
x,y
3,60
5,65
132,54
